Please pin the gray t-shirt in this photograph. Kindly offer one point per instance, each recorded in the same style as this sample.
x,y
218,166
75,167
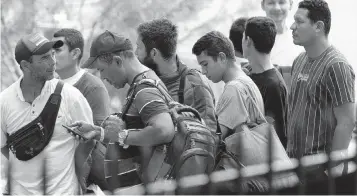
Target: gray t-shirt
x,y
235,105
96,94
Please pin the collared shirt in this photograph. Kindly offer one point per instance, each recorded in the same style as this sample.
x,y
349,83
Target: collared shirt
x,y
318,86
59,153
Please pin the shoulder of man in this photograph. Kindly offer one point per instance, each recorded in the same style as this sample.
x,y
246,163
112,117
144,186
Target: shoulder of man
x,y
90,81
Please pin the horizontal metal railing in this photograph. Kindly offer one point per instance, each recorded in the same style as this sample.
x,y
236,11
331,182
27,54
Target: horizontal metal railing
x,y
211,184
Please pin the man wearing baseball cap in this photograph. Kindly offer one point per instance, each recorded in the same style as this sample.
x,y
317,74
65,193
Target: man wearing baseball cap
x,y
22,102
148,122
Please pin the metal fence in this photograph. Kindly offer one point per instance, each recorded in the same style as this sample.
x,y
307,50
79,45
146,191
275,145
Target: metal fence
x,y
214,182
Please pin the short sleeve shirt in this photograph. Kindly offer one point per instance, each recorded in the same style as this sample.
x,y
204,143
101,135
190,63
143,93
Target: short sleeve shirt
x,y
235,105
148,102
59,153
318,86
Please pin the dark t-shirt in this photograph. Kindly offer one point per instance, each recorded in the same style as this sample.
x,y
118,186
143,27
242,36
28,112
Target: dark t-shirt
x,y
274,92
147,103
96,94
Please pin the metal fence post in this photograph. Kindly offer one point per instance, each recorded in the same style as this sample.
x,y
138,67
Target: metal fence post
x,y
330,179
301,175
44,172
270,161
9,177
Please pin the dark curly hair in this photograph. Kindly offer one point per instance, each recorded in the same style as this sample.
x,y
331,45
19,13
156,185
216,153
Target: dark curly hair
x,y
160,34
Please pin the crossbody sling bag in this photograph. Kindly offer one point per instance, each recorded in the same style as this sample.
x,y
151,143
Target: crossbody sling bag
x,y
31,139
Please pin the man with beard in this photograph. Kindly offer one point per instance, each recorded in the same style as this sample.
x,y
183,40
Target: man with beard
x,y
156,48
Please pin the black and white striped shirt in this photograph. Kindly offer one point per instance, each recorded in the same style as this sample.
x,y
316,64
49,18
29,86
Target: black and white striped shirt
x,y
318,85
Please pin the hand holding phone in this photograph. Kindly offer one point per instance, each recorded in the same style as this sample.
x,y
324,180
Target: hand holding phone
x,y
75,133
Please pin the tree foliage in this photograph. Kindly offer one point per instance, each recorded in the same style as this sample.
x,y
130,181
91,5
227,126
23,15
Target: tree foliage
x,y
91,17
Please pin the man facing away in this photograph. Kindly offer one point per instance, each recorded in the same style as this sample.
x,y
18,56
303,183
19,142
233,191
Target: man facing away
x,y
148,122
156,48
257,42
321,112
22,102
236,35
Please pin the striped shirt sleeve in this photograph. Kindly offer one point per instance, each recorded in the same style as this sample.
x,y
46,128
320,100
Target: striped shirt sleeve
x,y
340,83
149,102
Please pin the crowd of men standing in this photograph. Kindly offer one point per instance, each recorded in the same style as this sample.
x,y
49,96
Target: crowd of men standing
x,y
312,105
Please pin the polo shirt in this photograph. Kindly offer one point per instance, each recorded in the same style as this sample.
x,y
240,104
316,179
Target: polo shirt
x,y
59,153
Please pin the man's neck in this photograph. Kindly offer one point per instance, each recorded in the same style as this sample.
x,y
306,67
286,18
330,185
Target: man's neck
x,y
167,67
260,62
68,71
232,72
315,49
135,68
31,88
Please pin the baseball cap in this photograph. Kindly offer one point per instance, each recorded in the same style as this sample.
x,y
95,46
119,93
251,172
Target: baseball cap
x,y
34,44
105,43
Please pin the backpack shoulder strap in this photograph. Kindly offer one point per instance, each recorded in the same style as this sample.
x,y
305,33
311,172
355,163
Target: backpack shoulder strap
x,y
156,84
182,84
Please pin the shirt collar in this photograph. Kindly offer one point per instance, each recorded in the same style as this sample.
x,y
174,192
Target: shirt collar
x,y
46,88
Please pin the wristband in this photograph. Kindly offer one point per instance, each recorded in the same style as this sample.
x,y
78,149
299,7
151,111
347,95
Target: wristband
x,y
101,134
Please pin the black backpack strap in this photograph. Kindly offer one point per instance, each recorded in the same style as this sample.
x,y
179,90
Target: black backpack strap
x,y
188,71
182,84
131,95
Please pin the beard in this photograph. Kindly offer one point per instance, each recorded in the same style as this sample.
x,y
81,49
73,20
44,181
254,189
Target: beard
x,y
149,62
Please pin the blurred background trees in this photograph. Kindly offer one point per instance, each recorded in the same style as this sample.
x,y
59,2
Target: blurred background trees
x,y
193,17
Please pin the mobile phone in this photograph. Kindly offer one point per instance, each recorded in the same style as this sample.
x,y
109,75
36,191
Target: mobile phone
x,y
75,132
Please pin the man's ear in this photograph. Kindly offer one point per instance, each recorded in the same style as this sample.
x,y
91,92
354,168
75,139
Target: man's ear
x,y
76,53
222,56
320,26
153,53
118,61
24,64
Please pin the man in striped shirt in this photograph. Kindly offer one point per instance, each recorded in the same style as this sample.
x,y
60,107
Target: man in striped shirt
x,y
321,104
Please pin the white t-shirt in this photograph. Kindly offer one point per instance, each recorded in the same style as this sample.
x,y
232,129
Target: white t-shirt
x,y
285,51
59,153
235,107
75,78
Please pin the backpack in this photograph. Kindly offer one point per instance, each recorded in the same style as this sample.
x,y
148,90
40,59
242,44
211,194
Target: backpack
x,y
187,71
193,148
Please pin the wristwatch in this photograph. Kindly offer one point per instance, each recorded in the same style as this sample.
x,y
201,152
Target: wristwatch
x,y
122,135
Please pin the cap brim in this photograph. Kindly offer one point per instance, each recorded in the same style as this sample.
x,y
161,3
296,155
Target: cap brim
x,y
48,46
89,63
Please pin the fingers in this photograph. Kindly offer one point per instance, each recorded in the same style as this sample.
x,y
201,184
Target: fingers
x,y
76,124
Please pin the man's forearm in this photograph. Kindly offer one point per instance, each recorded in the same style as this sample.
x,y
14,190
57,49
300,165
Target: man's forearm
x,y
342,136
149,136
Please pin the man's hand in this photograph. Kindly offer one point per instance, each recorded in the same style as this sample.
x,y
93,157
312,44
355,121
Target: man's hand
x,y
88,131
113,124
